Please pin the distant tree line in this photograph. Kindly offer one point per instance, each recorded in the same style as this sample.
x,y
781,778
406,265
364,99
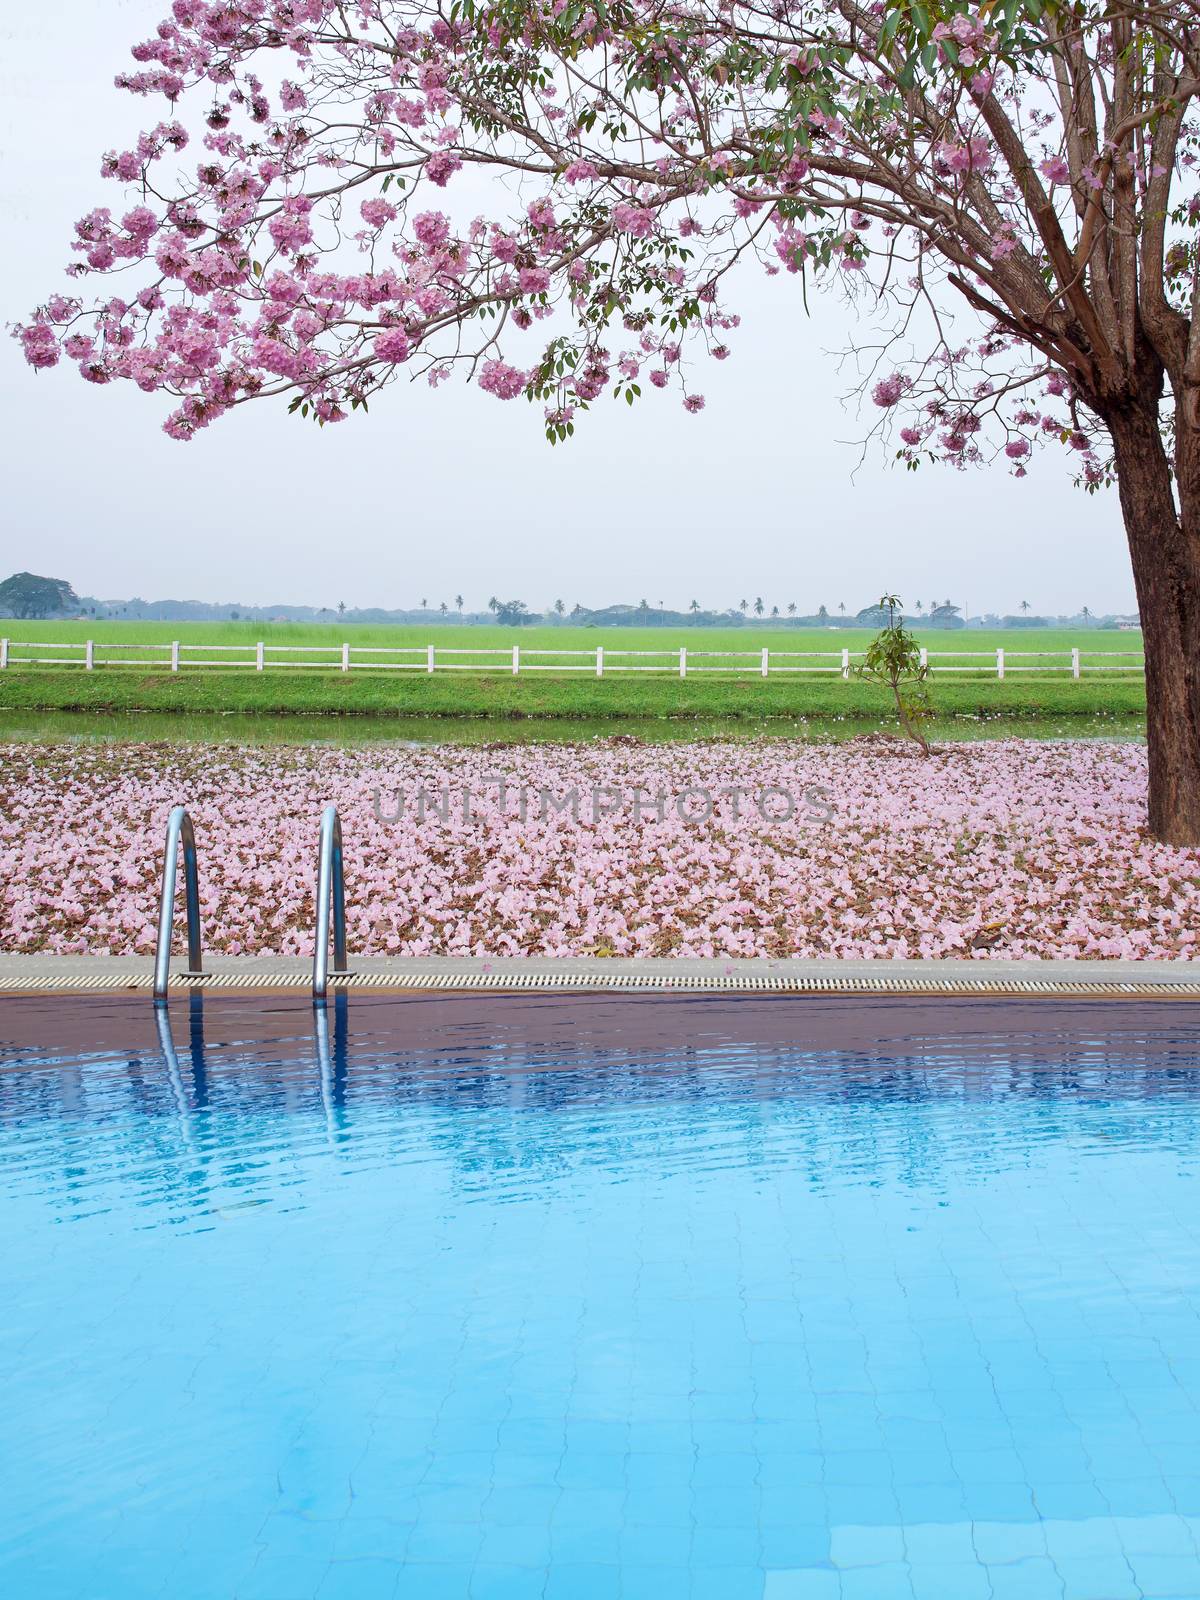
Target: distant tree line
x,y
27,595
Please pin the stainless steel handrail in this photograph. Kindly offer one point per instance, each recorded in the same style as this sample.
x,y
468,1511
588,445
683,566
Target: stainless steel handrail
x,y
179,826
331,887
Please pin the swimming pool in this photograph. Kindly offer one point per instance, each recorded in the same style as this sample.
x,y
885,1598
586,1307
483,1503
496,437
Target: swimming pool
x,y
577,1298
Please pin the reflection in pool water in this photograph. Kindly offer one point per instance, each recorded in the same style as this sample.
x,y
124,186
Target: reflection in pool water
x,y
596,1297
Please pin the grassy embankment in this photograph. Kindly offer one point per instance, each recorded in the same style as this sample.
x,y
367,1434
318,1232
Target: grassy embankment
x,y
1047,692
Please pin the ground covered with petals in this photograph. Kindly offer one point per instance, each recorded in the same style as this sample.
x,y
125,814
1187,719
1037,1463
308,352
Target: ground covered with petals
x,y
1012,849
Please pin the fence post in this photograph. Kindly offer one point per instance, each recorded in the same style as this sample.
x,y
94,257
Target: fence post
x,y
924,658
89,658
599,660
258,656
3,654
346,657
682,661
845,663
429,659
174,655
516,659
764,662
999,663
1074,663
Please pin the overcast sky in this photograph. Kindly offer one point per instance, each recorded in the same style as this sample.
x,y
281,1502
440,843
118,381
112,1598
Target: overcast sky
x,y
439,493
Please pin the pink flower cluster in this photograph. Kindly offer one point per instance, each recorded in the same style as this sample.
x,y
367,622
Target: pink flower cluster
x,y
240,278
1008,849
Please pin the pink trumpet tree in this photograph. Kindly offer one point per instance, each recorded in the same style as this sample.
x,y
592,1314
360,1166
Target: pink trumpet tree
x,y
1010,188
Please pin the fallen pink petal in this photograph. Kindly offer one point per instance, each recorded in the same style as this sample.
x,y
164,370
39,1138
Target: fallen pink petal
x,y
1013,849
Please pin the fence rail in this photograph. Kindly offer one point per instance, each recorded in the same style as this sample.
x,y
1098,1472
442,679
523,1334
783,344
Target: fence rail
x,y
177,656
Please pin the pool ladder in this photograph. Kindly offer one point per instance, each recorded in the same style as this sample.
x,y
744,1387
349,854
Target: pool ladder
x,y
331,904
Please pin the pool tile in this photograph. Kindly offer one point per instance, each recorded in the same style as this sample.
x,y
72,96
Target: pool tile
x,y
586,1545
583,1582
933,1580
1096,1578
1166,1577
851,1546
725,1547
1156,1536
1005,1543
655,1583
515,1546
419,1581
496,1581
804,1584
449,1543
367,1578
892,1581
727,1583
1034,1579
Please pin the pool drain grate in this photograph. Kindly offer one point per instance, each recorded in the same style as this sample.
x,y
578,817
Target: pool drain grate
x,y
610,981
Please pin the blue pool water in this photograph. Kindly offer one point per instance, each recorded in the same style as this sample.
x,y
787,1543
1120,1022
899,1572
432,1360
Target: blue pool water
x,y
593,1300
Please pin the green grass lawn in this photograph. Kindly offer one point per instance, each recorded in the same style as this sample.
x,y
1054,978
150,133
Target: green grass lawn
x,y
546,695
1032,688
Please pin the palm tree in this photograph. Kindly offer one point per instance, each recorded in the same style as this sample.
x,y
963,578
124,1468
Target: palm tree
x,y
559,607
842,607
1024,607
744,606
774,611
443,608
424,605
822,614
758,607
1086,614
694,607
791,608
493,604
576,609
458,603
341,608
920,606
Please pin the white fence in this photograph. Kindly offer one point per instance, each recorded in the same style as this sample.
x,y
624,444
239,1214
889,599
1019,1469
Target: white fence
x,y
178,656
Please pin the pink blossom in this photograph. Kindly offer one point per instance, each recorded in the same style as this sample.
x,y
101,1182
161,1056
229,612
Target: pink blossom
x,y
638,221
533,280
393,345
377,213
291,228
40,344
442,166
432,228
505,382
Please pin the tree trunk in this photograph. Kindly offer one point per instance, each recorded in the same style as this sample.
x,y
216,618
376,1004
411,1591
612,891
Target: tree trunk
x,y
1165,550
